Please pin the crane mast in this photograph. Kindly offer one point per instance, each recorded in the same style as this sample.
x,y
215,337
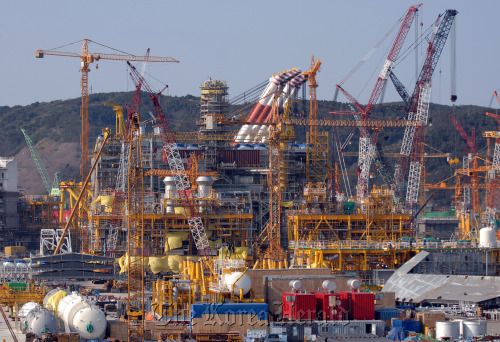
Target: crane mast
x,y
367,142
412,145
172,157
494,184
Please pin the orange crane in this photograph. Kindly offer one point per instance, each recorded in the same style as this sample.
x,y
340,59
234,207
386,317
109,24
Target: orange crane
x,y
88,58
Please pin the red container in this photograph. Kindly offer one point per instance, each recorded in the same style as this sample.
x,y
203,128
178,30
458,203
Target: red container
x,y
329,307
361,305
299,306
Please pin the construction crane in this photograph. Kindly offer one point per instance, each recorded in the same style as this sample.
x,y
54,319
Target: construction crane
x,y
52,188
137,249
470,194
317,144
414,137
367,141
494,179
88,58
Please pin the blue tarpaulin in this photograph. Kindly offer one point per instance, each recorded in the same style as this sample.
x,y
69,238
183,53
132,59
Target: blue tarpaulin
x,y
259,309
396,334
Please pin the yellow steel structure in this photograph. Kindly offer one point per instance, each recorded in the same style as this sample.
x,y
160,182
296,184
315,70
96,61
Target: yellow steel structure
x,y
139,242
120,123
10,296
346,241
317,144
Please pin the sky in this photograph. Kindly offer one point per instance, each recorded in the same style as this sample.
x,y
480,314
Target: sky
x,y
240,42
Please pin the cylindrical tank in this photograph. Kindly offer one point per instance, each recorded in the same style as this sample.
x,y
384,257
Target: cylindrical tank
x,y
295,284
354,284
41,320
473,328
81,317
450,329
204,186
170,188
329,285
487,237
89,322
24,311
21,263
240,281
8,262
48,295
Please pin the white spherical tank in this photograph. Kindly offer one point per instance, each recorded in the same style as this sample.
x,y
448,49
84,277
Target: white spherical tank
x,y
354,284
487,237
41,320
89,322
473,328
329,285
450,329
238,280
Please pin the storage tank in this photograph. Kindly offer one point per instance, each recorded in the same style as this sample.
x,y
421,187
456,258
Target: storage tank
x,y
170,188
8,262
244,282
48,295
39,321
81,317
487,237
204,186
295,284
474,327
89,322
329,285
24,311
21,263
354,284
448,329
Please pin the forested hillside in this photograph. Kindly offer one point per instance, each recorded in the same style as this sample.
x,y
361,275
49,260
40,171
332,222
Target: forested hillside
x,y
55,129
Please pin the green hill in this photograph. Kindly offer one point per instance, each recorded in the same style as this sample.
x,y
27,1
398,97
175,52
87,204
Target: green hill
x,y
58,122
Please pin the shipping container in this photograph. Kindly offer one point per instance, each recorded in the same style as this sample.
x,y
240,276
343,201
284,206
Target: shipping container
x,y
407,325
299,306
300,331
386,314
360,305
329,306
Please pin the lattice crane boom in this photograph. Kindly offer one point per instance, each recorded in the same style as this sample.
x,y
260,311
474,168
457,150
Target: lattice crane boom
x,y
39,165
414,137
172,157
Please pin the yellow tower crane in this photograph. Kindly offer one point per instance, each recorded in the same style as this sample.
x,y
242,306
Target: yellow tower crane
x,y
88,58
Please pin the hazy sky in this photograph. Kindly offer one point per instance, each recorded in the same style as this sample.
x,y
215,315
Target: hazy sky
x,y
241,42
